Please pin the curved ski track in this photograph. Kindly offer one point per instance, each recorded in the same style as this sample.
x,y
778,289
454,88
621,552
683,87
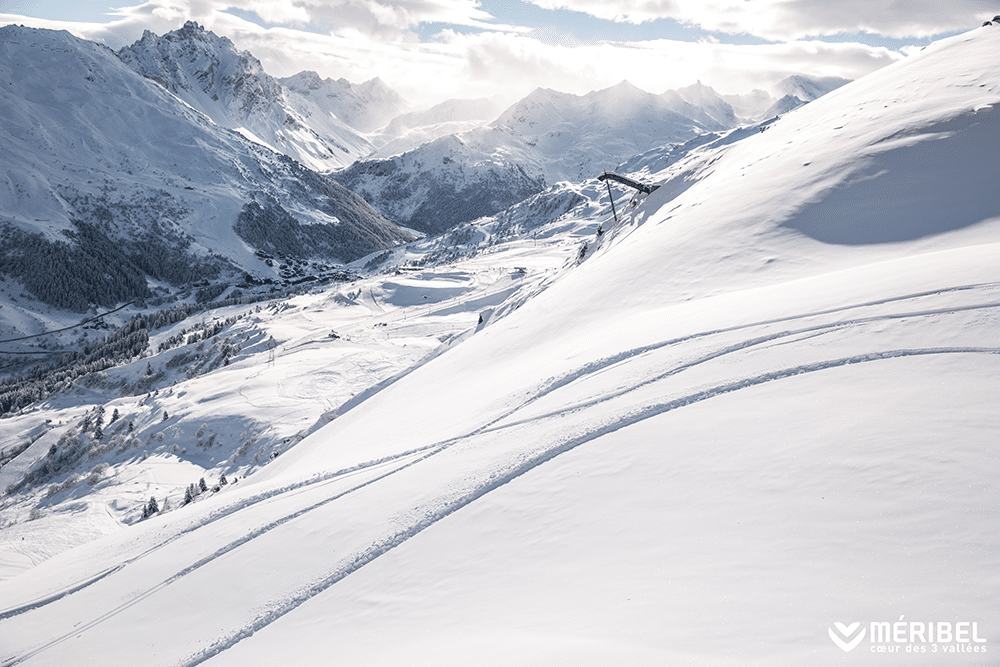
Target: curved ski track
x,y
517,468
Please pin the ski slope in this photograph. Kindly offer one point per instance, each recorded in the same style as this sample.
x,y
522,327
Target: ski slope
x,y
762,404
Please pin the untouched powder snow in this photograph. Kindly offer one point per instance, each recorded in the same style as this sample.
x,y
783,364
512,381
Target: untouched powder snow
x,y
755,414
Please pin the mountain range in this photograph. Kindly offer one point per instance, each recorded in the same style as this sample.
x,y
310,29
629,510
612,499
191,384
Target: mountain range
x,y
178,160
113,181
545,138
748,417
322,123
462,159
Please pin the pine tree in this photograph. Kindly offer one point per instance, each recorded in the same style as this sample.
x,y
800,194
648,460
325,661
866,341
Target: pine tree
x,y
202,485
151,508
165,416
189,494
114,416
223,481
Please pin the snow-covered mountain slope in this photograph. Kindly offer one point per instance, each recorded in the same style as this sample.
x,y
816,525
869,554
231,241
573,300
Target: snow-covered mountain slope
x,y
231,87
410,130
703,103
126,183
798,90
577,137
545,138
225,417
808,89
792,92
364,106
450,180
750,105
747,416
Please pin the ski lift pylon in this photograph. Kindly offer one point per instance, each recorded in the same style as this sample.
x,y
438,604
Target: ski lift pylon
x,y
609,176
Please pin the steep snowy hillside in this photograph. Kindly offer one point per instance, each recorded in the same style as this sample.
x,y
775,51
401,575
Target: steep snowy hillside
x,y
753,423
231,88
545,138
217,392
365,106
110,181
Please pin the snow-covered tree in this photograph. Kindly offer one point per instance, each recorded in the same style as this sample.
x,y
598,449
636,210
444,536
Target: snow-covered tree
x,y
151,508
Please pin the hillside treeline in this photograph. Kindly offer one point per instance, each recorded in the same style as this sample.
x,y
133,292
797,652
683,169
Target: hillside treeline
x,y
89,268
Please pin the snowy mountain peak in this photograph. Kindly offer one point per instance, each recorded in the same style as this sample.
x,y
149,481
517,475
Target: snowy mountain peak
x,y
710,102
207,72
379,88
750,105
808,89
546,137
365,107
305,81
623,87
142,184
231,87
698,92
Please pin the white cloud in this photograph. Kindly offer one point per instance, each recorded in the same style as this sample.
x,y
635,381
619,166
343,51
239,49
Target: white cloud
x,y
369,16
520,63
276,12
511,65
506,64
784,20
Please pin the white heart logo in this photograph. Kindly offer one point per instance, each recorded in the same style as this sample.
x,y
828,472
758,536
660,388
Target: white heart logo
x,y
846,631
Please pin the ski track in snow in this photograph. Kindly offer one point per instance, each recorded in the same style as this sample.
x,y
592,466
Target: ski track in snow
x,y
602,365
517,465
253,534
385,545
217,515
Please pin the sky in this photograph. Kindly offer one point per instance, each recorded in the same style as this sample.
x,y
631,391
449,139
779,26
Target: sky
x,y
432,50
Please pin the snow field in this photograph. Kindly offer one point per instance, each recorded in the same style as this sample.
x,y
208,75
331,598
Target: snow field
x,y
705,444
417,495
289,378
